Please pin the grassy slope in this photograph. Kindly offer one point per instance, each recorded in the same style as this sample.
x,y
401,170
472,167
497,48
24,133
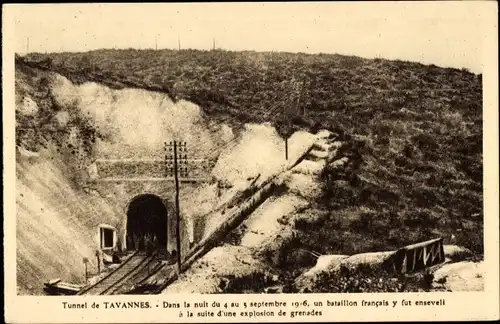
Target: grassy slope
x,y
414,132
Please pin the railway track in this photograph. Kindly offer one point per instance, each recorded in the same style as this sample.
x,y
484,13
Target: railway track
x,y
113,281
147,269
144,286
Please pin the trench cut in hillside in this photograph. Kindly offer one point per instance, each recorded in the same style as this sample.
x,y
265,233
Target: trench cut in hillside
x,y
412,157
147,216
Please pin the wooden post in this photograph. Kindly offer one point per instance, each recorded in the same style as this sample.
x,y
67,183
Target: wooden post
x,y
85,261
98,262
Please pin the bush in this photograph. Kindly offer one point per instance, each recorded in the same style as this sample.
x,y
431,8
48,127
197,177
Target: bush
x,y
368,280
425,142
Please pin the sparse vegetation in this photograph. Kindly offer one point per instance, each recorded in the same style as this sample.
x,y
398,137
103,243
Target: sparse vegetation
x,y
413,132
367,280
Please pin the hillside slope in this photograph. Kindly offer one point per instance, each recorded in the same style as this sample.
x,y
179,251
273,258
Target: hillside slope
x,y
412,134
413,131
61,128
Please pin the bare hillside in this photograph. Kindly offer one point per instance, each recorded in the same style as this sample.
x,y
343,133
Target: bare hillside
x,y
414,131
411,166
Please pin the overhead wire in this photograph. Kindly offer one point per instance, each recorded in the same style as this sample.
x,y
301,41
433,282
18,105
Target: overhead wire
x,y
264,117
274,111
261,119
233,141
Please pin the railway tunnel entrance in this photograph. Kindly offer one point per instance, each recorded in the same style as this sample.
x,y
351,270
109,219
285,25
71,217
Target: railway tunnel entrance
x,y
147,223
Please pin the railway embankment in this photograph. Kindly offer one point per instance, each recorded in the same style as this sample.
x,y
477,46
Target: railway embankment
x,y
265,252
266,184
61,127
253,250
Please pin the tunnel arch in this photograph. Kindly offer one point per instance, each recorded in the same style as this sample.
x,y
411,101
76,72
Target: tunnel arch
x,y
146,214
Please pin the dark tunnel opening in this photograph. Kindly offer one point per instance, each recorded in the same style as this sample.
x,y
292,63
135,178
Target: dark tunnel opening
x,y
147,218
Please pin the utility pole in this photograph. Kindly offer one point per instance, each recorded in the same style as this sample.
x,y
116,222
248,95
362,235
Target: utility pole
x,y
180,162
156,42
177,211
27,45
214,44
286,147
286,132
299,95
179,43
300,98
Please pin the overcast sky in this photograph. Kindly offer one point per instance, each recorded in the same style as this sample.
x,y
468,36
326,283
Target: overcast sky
x,y
446,34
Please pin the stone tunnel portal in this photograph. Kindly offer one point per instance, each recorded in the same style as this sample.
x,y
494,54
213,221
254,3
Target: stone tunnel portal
x,y
147,218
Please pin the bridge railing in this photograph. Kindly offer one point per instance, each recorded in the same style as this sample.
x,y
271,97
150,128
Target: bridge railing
x,y
418,257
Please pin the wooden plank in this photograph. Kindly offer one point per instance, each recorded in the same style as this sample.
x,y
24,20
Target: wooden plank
x,y
53,282
421,244
57,287
68,286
